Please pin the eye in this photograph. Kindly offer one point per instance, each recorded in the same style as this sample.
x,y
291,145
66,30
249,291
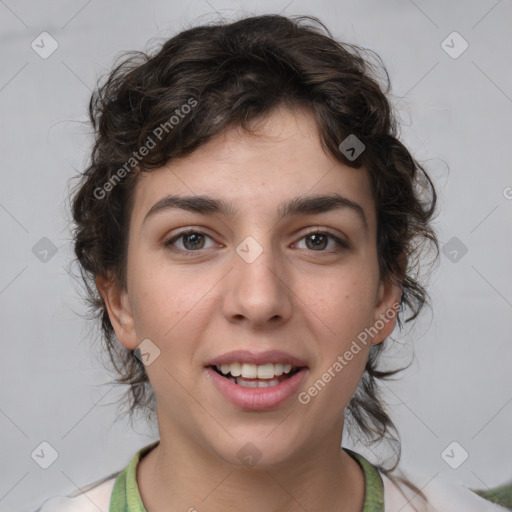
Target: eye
x,y
192,240
320,239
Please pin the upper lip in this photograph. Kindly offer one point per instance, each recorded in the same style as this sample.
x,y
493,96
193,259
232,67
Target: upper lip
x,y
245,356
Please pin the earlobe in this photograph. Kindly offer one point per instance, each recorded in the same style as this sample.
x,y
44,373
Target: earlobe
x,y
119,311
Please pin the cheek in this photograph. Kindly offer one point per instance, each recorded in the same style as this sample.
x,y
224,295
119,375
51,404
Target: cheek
x,y
342,356
170,311
164,301
341,315
345,301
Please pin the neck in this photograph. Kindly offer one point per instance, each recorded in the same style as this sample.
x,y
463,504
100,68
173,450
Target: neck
x,y
178,475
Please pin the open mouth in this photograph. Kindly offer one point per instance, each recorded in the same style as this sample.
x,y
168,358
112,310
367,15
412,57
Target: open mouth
x,y
256,376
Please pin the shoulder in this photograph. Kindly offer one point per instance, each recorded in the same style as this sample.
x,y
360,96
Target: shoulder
x,y
442,496
95,498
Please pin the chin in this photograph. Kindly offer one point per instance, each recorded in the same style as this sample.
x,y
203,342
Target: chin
x,y
256,451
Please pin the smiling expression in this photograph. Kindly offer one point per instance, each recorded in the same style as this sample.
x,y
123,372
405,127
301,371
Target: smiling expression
x,y
264,245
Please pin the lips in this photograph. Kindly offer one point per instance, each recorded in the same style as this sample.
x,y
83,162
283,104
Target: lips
x,y
257,398
261,380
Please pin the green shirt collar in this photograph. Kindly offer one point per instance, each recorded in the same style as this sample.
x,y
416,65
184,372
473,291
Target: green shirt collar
x,y
126,498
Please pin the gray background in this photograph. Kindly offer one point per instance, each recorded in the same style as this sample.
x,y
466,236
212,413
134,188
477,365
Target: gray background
x,y
456,119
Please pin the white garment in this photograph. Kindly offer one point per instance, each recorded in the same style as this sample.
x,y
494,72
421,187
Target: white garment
x,y
443,496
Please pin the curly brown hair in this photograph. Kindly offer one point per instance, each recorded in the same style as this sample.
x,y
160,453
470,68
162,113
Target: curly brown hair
x,y
235,73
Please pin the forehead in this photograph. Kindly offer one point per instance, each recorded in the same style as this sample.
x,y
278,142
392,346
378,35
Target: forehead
x,y
257,173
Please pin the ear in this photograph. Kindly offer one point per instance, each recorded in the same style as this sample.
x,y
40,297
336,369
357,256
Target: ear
x,y
119,311
386,310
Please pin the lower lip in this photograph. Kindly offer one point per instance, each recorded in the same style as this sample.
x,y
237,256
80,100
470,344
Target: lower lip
x,y
257,399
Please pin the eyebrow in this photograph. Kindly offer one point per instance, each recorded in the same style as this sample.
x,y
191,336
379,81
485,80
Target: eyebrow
x,y
298,205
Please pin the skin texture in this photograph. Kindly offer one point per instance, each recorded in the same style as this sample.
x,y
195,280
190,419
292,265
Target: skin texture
x,y
309,300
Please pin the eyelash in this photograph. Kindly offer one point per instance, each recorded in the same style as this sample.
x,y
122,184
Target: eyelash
x,y
168,243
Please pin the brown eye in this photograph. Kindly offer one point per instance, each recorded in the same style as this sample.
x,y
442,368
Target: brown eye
x,y
318,241
191,241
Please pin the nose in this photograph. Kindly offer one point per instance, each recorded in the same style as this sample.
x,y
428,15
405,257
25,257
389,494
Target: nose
x,y
258,293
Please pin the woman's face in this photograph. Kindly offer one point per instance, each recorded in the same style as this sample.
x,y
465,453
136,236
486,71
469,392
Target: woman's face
x,y
254,279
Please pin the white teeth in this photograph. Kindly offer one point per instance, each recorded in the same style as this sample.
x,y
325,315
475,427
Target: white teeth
x,y
249,371
265,371
253,371
248,384
235,369
278,369
256,383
